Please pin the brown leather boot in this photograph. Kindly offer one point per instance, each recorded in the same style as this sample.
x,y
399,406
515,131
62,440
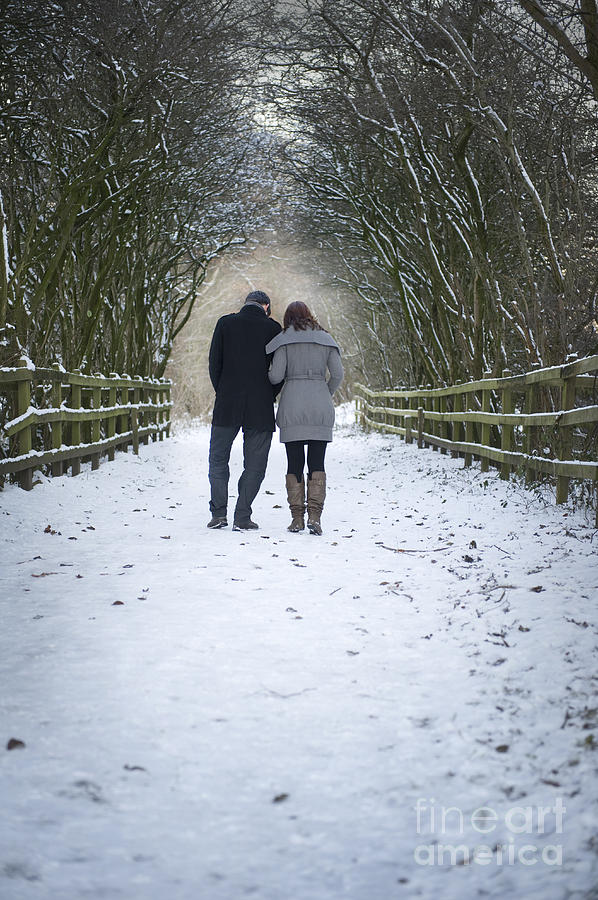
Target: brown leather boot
x,y
316,494
296,500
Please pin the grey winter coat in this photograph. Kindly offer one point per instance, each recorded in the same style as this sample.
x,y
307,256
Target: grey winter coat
x,y
301,358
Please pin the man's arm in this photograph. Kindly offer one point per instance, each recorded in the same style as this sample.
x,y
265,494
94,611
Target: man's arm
x,y
216,356
276,389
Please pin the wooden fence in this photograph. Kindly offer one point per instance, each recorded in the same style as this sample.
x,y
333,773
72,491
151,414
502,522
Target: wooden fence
x,y
56,419
544,421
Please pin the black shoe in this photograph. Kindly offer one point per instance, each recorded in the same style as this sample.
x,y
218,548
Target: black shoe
x,y
217,522
247,525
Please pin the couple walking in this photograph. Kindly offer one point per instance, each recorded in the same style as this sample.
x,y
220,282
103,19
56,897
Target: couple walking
x,y
252,360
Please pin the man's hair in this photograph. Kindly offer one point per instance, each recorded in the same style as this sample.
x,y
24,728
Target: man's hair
x,y
258,297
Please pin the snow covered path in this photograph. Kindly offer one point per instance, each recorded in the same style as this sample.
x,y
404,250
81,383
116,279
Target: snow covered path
x,y
285,717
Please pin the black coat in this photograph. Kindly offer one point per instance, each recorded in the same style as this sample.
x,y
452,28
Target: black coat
x,y
239,369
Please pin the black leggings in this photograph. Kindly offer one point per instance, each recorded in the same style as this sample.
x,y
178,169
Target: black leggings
x,y
316,451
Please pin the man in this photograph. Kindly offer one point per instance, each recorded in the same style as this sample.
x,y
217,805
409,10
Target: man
x,y
244,399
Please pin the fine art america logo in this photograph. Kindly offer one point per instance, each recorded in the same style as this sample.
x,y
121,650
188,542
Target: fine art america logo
x,y
505,835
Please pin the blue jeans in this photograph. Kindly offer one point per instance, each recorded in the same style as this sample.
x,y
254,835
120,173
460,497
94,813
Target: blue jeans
x,y
256,447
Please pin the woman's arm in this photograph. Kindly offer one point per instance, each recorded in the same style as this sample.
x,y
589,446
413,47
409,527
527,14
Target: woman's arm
x,y
335,367
278,368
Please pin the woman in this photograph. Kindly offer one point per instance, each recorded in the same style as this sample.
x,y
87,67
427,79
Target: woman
x,y
303,352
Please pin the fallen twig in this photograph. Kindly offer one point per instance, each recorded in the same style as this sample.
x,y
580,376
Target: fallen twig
x,y
502,551
404,550
488,590
497,603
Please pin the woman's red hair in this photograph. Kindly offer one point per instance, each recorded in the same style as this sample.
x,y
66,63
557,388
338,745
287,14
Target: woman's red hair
x,y
298,315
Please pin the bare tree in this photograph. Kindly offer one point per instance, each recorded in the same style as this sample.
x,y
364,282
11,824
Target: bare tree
x,y
451,167
573,26
124,135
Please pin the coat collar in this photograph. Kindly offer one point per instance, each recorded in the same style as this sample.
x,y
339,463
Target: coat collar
x,y
309,336
252,309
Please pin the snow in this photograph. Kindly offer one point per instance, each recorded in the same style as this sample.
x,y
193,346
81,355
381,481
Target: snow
x,y
31,410
26,363
46,412
283,716
4,239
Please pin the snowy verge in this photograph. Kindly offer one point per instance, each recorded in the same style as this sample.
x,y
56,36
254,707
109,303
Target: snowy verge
x,y
214,714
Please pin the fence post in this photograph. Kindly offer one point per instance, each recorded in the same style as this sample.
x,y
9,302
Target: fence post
x,y
153,398
141,395
399,421
96,400
138,398
57,467
412,404
167,411
135,429
25,443
403,420
420,427
435,425
111,422
427,405
467,405
161,396
529,441
76,426
506,436
457,426
565,442
485,430
442,407
123,419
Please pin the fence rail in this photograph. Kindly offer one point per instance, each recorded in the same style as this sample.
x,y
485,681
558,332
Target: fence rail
x,y
513,421
59,419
